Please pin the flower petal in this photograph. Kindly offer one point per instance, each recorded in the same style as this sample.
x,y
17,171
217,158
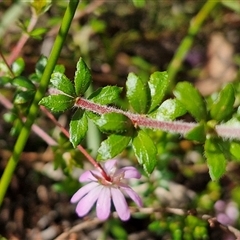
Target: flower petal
x,y
109,165
83,191
132,194
104,204
86,203
129,172
88,176
120,204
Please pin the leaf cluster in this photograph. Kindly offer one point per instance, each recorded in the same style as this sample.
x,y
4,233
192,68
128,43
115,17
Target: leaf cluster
x,y
145,102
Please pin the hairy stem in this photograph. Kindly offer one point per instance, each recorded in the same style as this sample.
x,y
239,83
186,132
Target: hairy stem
x,y
222,130
137,119
33,111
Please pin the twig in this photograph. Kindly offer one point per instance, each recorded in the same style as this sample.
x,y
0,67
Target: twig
x,y
25,36
213,222
81,149
8,66
79,227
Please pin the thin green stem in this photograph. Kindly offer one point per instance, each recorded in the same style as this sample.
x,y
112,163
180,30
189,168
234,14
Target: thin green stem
x,y
33,111
187,42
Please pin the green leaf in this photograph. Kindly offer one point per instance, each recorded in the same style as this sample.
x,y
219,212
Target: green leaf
x,y
23,83
197,134
138,93
82,78
78,127
191,100
169,110
40,66
59,68
113,146
57,103
145,151
4,80
114,122
38,32
222,108
139,3
24,97
233,5
18,66
106,95
158,84
235,149
215,158
62,83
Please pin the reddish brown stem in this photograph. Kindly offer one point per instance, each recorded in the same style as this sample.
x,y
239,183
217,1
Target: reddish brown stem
x,y
137,119
25,36
81,149
222,130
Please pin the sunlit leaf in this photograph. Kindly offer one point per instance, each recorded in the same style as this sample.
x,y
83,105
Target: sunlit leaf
x,y
57,103
191,100
145,151
112,146
24,97
114,122
40,66
235,149
215,158
38,32
62,83
106,95
78,127
23,83
158,84
138,93
82,77
18,66
169,110
222,108
198,133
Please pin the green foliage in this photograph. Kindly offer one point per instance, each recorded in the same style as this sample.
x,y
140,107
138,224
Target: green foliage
x,y
215,158
18,66
57,103
145,151
198,133
181,227
147,105
144,97
39,68
138,93
113,146
158,84
78,127
114,122
23,83
37,33
169,110
82,78
62,83
222,108
106,95
191,100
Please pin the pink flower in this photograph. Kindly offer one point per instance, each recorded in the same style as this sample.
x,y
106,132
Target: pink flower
x,y
102,191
